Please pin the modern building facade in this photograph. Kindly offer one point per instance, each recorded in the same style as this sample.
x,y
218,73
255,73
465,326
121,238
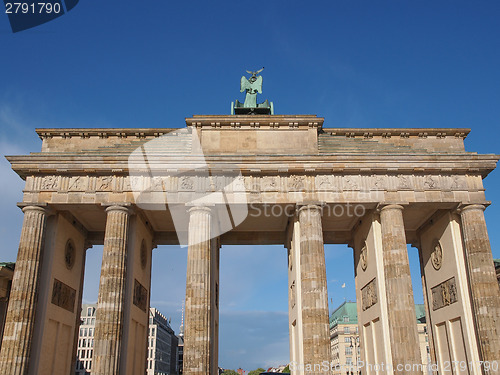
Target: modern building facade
x,y
180,353
85,346
253,179
180,345
345,343
162,344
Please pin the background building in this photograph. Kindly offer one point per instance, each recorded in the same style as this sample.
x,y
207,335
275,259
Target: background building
x,y
423,337
344,338
180,345
6,274
85,348
162,344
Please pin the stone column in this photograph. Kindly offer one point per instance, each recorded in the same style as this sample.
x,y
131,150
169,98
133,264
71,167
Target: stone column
x,y
197,354
400,304
314,294
109,314
18,334
483,283
4,302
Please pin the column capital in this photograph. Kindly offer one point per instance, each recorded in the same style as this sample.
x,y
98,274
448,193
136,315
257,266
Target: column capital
x,y
390,206
39,208
118,207
471,206
313,206
200,207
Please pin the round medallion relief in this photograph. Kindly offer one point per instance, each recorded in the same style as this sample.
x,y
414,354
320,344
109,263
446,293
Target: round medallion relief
x,y
144,255
437,255
363,261
69,254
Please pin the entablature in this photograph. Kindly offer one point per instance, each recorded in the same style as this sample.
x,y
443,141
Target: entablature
x,y
460,163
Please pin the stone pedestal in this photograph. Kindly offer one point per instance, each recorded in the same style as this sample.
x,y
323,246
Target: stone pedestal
x,y
109,316
18,334
201,325
400,303
484,287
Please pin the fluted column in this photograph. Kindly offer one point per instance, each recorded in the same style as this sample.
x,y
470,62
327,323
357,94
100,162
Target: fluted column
x,y
483,283
198,303
400,304
109,315
18,333
315,321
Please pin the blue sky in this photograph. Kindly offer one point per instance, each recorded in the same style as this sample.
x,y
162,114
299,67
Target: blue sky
x,y
153,63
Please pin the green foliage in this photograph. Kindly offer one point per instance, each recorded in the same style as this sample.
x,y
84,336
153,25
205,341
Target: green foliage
x,y
287,369
256,372
229,372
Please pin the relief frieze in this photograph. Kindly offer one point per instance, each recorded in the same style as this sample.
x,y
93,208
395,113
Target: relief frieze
x,y
444,294
296,183
324,183
269,183
78,183
379,182
292,294
63,296
457,182
50,183
104,183
369,295
404,182
350,182
292,183
140,296
431,182
186,183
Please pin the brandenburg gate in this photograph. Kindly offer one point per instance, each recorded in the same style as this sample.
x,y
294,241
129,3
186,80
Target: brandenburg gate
x,y
254,179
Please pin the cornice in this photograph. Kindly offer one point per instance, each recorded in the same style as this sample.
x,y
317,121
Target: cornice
x,y
255,121
459,163
398,132
251,122
44,133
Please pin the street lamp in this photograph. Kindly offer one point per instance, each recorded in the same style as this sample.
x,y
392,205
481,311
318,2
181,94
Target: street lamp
x,y
355,346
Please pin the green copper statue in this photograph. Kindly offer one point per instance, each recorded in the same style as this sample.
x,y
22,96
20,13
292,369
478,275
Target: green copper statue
x,y
252,86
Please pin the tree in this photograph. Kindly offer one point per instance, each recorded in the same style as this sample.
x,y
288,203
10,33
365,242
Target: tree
x,y
287,369
229,372
256,372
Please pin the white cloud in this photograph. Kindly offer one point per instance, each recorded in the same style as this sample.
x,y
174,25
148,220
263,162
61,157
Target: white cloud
x,y
15,122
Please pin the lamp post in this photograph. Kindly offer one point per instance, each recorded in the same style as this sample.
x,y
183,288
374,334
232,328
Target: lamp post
x,y
355,346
